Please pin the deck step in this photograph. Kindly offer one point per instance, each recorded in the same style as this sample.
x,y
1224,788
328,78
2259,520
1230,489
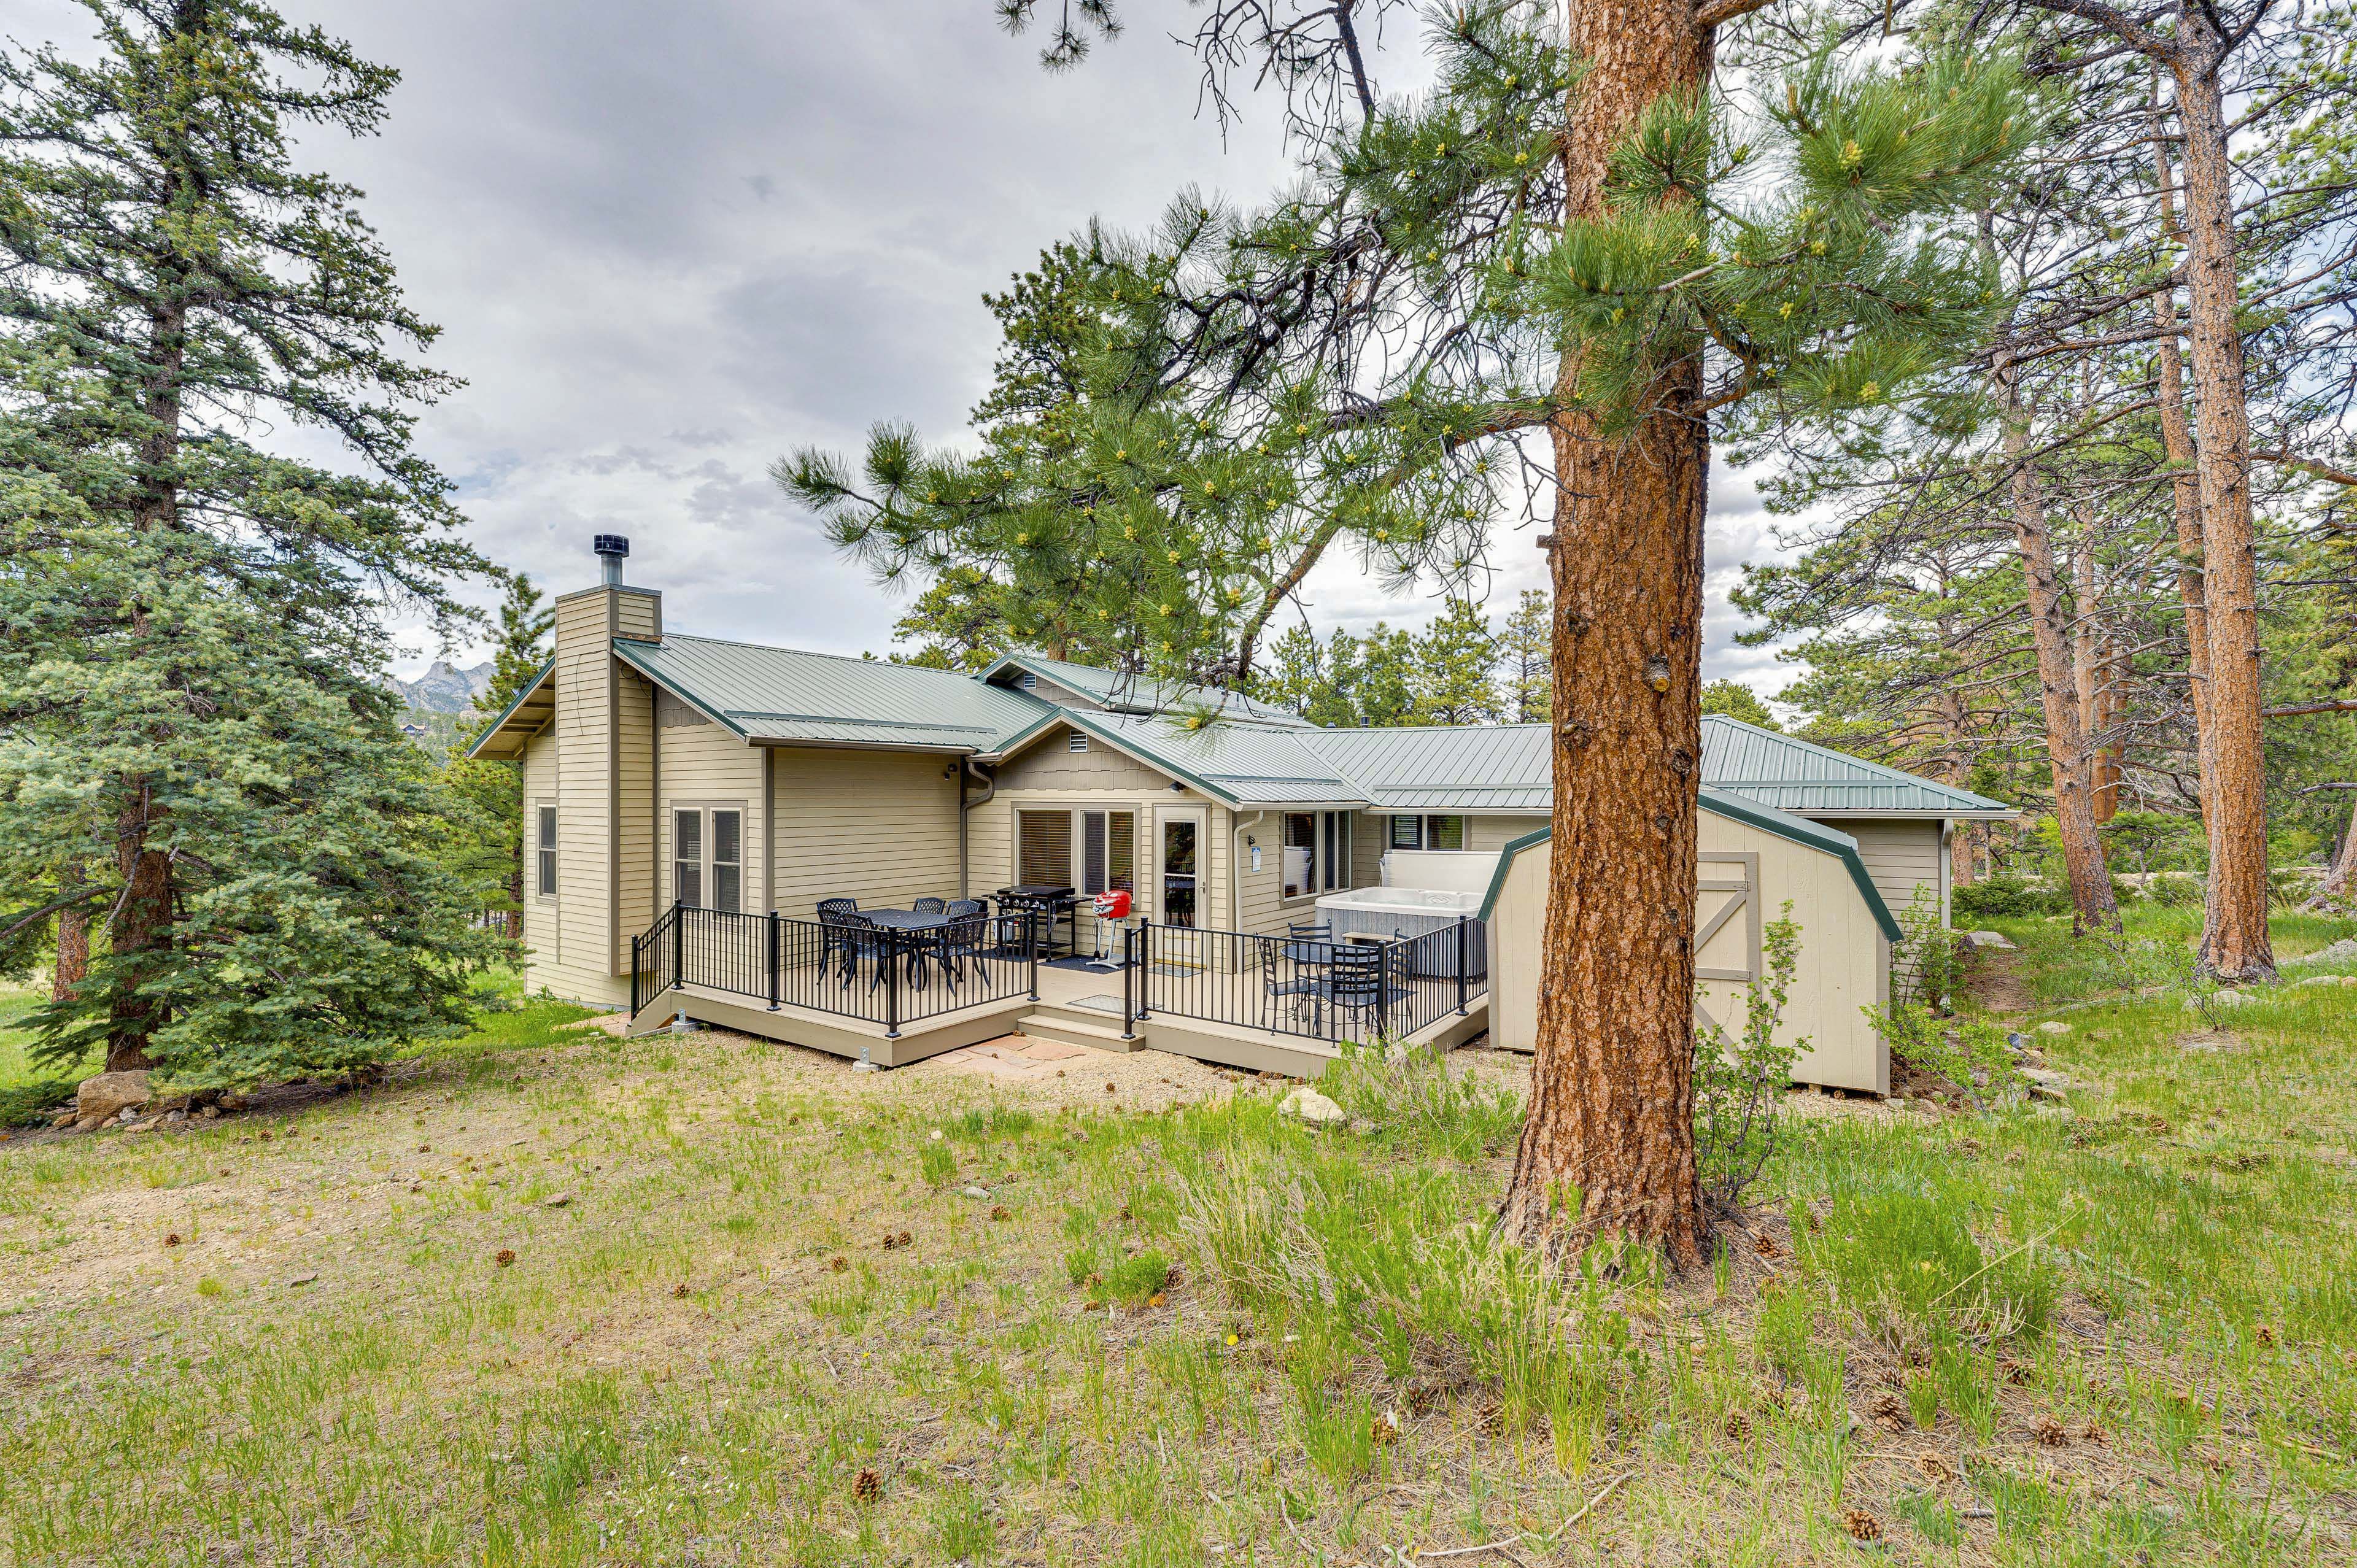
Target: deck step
x,y
1066,1030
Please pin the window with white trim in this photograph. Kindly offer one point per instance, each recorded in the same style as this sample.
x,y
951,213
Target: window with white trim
x,y
1090,852
707,858
1317,853
1427,832
544,850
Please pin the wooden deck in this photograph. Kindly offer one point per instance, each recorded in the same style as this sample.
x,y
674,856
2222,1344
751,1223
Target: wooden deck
x,y
1080,1007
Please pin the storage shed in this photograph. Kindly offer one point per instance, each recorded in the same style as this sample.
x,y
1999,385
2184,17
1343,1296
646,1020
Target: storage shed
x,y
1753,858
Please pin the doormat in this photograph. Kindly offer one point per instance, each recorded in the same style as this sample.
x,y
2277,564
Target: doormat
x,y
1101,1003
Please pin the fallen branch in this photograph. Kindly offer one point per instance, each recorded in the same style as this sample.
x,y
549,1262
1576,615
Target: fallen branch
x,y
1500,1545
2334,705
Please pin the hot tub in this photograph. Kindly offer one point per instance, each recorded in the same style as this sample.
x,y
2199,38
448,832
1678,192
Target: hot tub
x,y
1424,916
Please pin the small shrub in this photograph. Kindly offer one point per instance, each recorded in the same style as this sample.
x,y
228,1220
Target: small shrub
x,y
1927,965
1739,1089
1968,1052
2174,892
2006,897
1133,1281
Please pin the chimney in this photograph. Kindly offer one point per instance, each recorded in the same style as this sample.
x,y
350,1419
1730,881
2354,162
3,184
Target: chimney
x,y
612,551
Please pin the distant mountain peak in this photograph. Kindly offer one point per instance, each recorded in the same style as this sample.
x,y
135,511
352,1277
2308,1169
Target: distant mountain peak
x,y
444,688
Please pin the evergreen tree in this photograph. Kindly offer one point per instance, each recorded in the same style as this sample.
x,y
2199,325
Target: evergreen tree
x,y
1455,658
1386,688
1295,676
191,697
1570,233
1336,702
1525,647
482,830
1737,701
959,622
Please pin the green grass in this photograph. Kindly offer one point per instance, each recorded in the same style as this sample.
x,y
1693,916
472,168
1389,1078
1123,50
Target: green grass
x,y
26,1090
2127,1334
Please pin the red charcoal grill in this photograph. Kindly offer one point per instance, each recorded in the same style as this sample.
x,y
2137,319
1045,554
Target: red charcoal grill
x,y
1111,909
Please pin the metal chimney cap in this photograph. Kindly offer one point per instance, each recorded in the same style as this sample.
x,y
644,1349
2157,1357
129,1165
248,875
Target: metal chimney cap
x,y
610,544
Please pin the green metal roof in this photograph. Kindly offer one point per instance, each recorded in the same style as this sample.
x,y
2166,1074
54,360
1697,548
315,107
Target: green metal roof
x,y
1242,764
821,699
1509,768
1718,802
1789,773
1121,691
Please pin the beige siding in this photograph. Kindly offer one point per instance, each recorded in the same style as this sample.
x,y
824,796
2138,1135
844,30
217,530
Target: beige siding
x,y
1051,764
876,826
635,755
1900,857
707,766
1497,832
1369,837
1844,959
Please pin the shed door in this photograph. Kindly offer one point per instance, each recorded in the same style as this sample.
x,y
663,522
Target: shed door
x,y
1727,917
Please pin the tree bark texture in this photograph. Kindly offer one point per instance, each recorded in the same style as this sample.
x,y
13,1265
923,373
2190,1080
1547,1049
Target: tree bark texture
x,y
2185,486
73,952
1608,1148
2091,663
2093,903
2234,944
2340,889
141,931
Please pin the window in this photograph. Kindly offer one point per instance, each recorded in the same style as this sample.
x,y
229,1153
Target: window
x,y
707,858
1317,853
728,861
1076,741
1090,852
1043,849
687,858
546,851
1427,832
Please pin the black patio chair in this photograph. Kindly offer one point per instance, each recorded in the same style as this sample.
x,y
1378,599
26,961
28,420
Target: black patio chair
x,y
1356,983
839,921
966,936
1304,986
931,905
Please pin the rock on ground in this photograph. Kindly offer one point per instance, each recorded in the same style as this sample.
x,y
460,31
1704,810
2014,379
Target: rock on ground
x,y
106,1095
1313,1108
2342,952
1989,940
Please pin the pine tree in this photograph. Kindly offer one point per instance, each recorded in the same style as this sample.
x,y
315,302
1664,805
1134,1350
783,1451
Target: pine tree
x,y
1386,688
1455,660
482,839
191,704
1525,646
1567,235
1737,701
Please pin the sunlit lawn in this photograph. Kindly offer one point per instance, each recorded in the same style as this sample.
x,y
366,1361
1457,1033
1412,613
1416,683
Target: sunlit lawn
x,y
2126,1334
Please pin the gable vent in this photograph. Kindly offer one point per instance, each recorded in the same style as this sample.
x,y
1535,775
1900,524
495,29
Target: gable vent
x,y
1030,682
1076,741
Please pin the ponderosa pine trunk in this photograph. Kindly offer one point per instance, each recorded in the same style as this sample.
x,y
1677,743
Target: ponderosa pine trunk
x,y
73,952
2339,890
2092,674
1608,1148
2235,942
2185,489
2093,902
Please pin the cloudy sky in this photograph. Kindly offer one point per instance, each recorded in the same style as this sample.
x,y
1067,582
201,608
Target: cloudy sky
x,y
668,243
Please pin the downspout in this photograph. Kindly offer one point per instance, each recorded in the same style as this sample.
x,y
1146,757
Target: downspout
x,y
1236,870
967,769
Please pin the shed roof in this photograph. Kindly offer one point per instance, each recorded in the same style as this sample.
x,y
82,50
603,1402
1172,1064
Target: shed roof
x,y
1784,824
1793,775
781,695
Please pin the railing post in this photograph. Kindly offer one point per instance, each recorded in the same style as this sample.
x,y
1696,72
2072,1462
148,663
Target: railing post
x,y
891,985
1383,989
1128,963
773,962
634,975
1461,924
678,946
1144,967
1031,947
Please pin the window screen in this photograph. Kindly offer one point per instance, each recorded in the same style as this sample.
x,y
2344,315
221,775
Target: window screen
x,y
1093,852
687,858
728,861
1043,848
547,852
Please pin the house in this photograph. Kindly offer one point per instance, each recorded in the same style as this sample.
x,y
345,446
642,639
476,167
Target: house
x,y
743,784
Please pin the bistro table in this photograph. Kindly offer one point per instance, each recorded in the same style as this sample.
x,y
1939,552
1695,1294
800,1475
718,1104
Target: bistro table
x,y
909,922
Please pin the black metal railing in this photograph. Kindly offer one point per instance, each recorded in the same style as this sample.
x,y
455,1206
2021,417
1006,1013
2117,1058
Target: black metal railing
x,y
852,969
1326,988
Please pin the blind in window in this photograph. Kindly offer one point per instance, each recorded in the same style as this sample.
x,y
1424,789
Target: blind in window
x,y
687,857
547,852
1404,834
1043,848
1093,852
728,861
1120,851
1445,832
